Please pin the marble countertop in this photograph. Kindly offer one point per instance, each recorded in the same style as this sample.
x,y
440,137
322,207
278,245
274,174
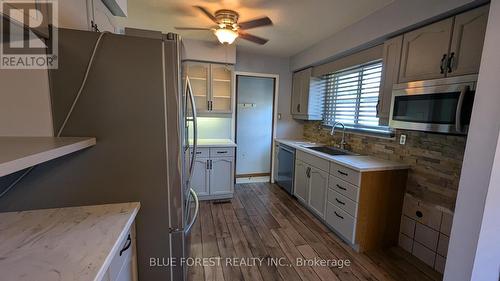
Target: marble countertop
x,y
360,163
215,143
75,243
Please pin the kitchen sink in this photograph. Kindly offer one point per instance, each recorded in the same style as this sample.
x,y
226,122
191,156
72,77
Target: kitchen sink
x,y
330,150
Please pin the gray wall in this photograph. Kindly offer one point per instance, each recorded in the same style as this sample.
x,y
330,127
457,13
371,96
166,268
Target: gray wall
x,y
477,212
374,29
287,127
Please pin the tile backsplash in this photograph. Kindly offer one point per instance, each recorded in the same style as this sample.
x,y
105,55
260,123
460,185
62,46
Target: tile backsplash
x,y
435,159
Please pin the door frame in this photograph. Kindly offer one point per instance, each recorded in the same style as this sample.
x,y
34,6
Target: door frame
x,y
276,78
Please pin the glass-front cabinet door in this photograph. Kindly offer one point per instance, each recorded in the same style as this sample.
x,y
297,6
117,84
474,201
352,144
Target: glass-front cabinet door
x,y
221,88
199,76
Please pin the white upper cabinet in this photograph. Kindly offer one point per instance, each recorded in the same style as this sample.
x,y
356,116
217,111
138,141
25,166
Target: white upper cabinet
x,y
307,96
467,42
117,7
425,52
212,86
451,47
392,59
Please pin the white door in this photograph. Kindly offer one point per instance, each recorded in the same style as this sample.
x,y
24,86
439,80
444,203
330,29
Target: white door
x,y
301,185
200,180
221,175
318,184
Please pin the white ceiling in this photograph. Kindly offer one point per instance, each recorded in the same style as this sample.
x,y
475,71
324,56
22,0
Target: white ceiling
x,y
298,24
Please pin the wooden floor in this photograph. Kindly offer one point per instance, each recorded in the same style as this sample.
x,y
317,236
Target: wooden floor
x,y
263,221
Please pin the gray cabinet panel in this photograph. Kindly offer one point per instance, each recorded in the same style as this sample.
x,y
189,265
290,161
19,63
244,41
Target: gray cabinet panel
x,y
221,175
392,60
301,181
318,185
200,180
307,96
467,42
424,50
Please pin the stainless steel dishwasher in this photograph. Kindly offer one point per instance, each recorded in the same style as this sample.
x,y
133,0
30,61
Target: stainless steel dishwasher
x,y
286,167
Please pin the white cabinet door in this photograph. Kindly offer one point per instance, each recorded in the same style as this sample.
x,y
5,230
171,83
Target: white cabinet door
x,y
318,185
199,76
221,88
200,180
221,175
392,59
296,93
425,52
301,185
467,42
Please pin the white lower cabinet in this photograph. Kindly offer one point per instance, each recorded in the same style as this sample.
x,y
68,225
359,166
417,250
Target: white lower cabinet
x,y
341,221
311,184
318,185
123,266
201,176
221,175
301,184
213,176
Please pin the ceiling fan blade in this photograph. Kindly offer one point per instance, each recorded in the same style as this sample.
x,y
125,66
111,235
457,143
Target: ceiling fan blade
x,y
192,28
255,23
253,38
207,13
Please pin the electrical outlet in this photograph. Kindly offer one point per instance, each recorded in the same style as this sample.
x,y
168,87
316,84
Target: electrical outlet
x,y
402,139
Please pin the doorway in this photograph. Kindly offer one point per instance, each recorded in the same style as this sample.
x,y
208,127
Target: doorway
x,y
255,121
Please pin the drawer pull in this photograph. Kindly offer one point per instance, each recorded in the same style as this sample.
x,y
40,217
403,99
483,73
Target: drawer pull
x,y
198,152
338,215
340,202
127,245
221,152
340,187
342,173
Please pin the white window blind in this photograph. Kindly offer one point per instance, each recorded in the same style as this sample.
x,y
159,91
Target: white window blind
x,y
352,96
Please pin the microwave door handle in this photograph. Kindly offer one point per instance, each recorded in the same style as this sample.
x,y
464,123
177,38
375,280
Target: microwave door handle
x,y
195,127
458,113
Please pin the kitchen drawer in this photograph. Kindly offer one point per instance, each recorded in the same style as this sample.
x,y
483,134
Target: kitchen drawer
x,y
118,260
222,152
201,152
347,174
341,221
312,160
342,202
348,190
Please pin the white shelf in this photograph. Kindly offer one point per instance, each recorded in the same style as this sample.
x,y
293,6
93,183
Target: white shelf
x,y
18,153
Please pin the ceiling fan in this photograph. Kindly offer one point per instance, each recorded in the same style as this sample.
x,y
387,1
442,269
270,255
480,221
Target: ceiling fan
x,y
228,28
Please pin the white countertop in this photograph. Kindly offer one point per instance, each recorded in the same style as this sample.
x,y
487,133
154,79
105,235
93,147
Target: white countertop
x,y
17,153
76,243
357,162
215,143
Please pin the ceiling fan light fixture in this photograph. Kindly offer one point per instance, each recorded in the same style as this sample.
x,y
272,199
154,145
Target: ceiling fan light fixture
x,y
226,35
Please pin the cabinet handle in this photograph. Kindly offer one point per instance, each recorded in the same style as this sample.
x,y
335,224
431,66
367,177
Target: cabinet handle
x,y
340,187
308,172
298,107
198,152
211,165
451,61
127,245
208,105
342,173
221,152
378,107
211,105
443,63
338,215
208,164
340,202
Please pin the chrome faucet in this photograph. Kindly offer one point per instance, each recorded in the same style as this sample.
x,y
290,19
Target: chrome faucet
x,y
342,142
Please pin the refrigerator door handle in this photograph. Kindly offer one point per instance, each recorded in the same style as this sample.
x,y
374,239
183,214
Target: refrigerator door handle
x,y
195,129
196,210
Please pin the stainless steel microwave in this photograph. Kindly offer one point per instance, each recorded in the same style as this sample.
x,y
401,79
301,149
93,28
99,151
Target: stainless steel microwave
x,y
441,105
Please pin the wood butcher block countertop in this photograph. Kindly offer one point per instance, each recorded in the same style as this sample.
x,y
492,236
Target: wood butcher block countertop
x,y
75,243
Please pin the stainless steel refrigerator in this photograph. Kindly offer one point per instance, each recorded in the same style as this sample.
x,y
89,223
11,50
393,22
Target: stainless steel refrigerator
x,y
134,103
